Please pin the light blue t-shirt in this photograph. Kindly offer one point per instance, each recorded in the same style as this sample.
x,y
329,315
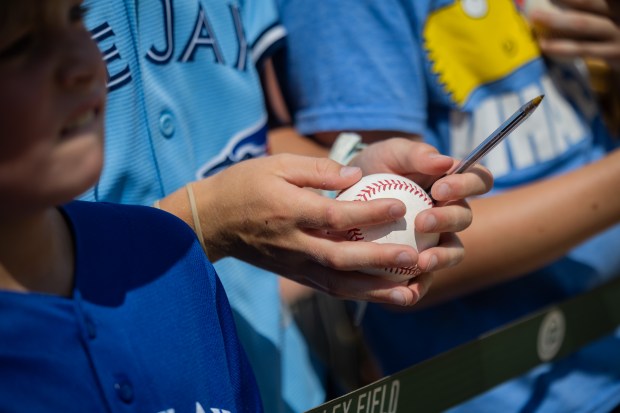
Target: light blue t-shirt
x,y
453,71
185,102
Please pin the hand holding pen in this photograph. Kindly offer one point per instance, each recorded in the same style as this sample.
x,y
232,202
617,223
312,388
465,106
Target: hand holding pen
x,y
473,158
494,138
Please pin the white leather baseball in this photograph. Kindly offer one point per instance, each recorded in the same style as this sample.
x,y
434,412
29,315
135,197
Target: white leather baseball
x,y
401,231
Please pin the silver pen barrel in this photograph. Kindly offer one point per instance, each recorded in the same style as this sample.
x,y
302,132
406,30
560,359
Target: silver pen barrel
x,y
494,138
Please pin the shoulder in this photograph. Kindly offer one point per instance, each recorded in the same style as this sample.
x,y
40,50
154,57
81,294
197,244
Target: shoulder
x,y
110,220
136,243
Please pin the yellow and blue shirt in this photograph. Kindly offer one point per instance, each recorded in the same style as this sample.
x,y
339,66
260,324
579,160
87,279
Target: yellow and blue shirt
x,y
452,71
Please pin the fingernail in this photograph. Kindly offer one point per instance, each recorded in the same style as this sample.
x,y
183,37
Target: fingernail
x,y
430,223
347,171
432,264
437,155
404,260
397,211
398,297
443,190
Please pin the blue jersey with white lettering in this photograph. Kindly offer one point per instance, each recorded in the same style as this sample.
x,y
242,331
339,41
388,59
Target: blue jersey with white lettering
x,y
185,101
148,328
453,71
184,95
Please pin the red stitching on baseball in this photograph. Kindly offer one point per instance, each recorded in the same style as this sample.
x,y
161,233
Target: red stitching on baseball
x,y
415,271
368,191
355,234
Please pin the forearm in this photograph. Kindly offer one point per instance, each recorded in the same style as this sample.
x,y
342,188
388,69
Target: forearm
x,y
524,229
288,140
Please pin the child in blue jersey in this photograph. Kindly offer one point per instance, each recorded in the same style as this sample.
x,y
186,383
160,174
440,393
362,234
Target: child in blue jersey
x,y
103,307
450,71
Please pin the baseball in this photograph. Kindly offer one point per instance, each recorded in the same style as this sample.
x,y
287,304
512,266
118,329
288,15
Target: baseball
x,y
403,230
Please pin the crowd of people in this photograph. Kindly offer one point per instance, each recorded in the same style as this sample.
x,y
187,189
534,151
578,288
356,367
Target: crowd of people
x,y
448,73
161,173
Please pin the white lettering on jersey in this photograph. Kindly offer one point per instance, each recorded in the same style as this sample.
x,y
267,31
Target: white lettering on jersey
x,y
200,409
202,36
117,77
242,56
164,56
549,132
218,411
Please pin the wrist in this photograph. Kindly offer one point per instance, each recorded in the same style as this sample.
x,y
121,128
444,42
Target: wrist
x,y
179,204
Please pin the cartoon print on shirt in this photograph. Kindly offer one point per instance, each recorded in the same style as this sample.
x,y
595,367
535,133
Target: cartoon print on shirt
x,y
474,42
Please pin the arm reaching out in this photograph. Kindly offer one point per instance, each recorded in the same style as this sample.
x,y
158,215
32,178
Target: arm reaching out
x,y
261,211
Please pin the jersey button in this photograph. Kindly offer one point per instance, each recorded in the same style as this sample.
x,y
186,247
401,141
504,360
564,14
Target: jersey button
x,y
124,390
166,124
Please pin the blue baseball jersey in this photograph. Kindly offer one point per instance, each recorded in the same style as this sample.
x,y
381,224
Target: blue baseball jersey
x,y
452,71
185,102
148,329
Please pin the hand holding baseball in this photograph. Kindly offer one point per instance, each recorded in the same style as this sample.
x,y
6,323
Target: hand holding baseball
x,y
261,211
399,231
422,164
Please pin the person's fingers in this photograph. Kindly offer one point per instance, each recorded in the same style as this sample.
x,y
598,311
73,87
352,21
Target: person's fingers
x,y
422,158
403,157
603,7
318,173
476,181
420,285
575,24
318,212
453,217
340,254
364,287
447,253
422,163
570,48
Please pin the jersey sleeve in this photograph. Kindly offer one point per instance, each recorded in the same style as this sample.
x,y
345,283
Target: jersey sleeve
x,y
351,65
264,32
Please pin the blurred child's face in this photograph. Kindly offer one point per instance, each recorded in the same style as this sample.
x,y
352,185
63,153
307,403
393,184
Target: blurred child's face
x,y
52,95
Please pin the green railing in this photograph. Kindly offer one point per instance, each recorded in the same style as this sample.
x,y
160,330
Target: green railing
x,y
468,370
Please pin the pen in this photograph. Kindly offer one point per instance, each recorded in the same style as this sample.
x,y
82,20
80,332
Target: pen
x,y
494,139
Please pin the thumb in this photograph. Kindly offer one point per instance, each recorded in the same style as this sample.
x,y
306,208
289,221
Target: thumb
x,y
321,173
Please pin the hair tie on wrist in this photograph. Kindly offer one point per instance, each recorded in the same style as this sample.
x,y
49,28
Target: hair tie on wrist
x,y
195,217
